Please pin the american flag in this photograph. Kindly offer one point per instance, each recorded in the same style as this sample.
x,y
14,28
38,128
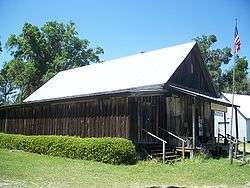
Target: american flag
x,y
236,40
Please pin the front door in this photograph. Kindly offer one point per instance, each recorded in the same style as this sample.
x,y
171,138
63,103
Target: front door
x,y
147,119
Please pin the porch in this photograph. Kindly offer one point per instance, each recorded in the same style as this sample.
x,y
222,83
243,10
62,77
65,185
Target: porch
x,y
187,125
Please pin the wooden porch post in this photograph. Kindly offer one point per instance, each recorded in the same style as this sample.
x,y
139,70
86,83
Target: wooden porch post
x,y
225,124
244,149
236,130
139,131
193,128
236,123
163,152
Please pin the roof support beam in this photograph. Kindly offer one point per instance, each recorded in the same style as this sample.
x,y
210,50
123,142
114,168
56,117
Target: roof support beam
x,y
193,127
225,124
236,123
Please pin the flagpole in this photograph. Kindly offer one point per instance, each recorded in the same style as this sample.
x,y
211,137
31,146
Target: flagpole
x,y
232,110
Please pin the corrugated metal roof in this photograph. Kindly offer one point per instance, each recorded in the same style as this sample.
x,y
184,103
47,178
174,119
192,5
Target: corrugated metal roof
x,y
144,69
241,100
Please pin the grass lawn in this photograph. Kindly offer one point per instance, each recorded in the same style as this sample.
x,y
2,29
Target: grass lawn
x,y
21,169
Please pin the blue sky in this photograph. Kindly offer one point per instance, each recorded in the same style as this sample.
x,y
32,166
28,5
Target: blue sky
x,y
127,27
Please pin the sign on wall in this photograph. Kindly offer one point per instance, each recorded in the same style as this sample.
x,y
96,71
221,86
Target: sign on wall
x,y
218,107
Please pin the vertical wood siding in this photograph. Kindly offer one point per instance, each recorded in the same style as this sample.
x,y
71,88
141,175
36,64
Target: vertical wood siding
x,y
148,113
112,117
99,117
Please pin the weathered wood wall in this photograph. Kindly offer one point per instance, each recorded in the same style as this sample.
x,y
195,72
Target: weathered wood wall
x,y
96,117
148,113
191,75
179,118
123,116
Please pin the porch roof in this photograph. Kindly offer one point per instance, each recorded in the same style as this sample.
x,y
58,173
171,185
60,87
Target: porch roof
x,y
221,100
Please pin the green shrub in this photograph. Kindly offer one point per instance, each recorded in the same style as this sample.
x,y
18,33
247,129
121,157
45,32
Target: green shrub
x,y
107,150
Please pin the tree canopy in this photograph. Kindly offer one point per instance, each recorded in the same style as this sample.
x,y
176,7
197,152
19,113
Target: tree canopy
x,y
215,59
248,86
7,89
40,52
241,71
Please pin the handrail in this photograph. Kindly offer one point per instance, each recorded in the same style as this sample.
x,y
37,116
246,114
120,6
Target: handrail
x,y
221,135
233,139
151,134
172,134
163,144
183,141
229,138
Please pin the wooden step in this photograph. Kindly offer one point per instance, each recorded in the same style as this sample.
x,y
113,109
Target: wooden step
x,y
160,153
155,151
185,149
173,160
172,157
167,158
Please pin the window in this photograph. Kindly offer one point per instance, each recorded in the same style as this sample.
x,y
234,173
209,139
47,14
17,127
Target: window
x,y
191,68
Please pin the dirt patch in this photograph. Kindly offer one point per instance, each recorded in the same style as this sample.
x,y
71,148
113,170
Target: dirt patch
x,y
16,183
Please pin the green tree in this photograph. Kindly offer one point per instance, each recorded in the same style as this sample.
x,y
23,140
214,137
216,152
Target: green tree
x,y
241,85
7,89
214,58
248,86
39,53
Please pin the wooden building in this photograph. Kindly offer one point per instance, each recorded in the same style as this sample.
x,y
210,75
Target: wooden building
x,y
156,96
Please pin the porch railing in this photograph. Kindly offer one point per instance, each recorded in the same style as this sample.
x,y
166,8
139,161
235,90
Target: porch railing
x,y
235,143
163,144
232,138
223,137
177,137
